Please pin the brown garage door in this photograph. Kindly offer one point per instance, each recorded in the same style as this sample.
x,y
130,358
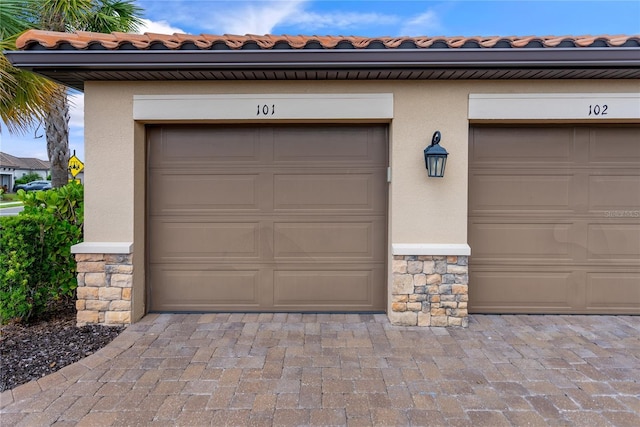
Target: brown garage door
x,y
267,218
554,220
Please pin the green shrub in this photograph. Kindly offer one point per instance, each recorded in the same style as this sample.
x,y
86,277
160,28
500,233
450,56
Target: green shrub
x,y
37,268
25,179
64,203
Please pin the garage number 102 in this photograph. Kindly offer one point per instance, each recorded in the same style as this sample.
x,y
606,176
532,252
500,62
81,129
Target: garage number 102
x,y
598,110
266,110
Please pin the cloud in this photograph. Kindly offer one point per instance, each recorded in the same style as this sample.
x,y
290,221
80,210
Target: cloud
x,y
158,27
254,18
259,17
345,21
425,24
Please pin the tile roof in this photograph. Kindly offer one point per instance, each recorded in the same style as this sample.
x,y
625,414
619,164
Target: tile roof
x,y
27,163
37,39
75,58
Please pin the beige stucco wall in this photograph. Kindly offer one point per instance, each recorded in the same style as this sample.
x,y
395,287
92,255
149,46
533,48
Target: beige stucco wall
x,y
422,209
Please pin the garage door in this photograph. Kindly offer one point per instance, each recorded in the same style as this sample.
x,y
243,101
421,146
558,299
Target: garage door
x,y
554,220
267,218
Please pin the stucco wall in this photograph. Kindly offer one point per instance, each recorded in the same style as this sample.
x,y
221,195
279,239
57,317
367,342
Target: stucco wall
x,y
422,210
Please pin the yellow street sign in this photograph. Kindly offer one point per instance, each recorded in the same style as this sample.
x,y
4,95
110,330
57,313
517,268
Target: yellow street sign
x,y
75,166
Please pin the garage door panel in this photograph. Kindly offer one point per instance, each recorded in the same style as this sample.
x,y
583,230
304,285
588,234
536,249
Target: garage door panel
x,y
608,193
356,145
613,292
520,145
618,146
520,290
338,290
327,240
193,289
338,191
184,146
528,192
216,191
523,241
618,241
199,240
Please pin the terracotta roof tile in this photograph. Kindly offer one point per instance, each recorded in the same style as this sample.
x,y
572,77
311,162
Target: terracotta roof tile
x,y
84,40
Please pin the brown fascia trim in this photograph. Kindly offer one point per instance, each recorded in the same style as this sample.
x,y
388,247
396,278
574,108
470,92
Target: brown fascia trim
x,y
343,59
494,58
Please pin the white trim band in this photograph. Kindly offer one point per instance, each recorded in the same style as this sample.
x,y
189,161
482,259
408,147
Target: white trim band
x,y
554,106
442,249
102,248
264,107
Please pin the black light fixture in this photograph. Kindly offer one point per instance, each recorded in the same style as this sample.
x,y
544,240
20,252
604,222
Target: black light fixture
x,y
435,157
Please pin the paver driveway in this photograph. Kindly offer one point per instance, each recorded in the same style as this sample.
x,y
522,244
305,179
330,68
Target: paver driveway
x,y
321,369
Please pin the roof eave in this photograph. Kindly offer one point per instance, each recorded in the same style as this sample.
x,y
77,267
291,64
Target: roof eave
x,y
51,62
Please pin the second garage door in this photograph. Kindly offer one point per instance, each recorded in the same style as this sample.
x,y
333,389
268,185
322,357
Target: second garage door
x,y
267,218
554,220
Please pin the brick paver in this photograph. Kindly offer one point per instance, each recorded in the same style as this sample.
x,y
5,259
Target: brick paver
x,y
346,369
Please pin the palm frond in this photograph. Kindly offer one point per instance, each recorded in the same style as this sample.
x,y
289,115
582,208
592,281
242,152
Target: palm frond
x,y
113,15
24,97
16,16
63,13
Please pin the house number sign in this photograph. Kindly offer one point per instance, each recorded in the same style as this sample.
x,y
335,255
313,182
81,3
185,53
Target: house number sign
x,y
266,110
598,110
554,106
263,107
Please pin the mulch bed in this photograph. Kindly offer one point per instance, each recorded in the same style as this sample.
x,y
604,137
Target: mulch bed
x,y
31,351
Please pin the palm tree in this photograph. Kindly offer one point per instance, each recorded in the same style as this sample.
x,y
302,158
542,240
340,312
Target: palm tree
x,y
23,95
102,16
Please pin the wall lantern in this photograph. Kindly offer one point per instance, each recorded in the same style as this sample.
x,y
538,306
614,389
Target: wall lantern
x,y
435,157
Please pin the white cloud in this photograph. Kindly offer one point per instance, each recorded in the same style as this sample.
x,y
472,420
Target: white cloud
x,y
345,21
158,27
260,18
425,24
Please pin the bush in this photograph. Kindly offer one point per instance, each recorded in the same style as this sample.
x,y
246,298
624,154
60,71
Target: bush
x,y
36,266
25,179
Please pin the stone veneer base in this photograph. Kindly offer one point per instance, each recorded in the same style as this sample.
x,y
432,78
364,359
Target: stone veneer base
x,y
104,288
426,290
430,291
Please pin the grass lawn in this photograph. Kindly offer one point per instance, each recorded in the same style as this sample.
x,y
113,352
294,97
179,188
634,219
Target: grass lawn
x,y
4,204
9,200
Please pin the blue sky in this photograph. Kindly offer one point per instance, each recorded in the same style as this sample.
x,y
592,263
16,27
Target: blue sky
x,y
361,18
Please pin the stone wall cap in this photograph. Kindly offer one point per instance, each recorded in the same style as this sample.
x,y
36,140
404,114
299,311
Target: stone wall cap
x,y
439,249
102,248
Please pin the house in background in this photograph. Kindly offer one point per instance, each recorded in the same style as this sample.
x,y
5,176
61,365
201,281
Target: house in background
x,y
287,174
12,168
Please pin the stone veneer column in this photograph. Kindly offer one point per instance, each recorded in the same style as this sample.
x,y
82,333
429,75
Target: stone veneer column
x,y
430,291
104,288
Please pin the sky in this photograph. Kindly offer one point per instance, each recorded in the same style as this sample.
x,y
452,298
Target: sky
x,y
368,18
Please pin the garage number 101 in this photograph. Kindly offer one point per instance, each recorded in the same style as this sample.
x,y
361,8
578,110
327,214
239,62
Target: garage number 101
x,y
266,110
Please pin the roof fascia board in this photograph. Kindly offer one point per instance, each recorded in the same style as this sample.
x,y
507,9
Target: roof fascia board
x,y
327,59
